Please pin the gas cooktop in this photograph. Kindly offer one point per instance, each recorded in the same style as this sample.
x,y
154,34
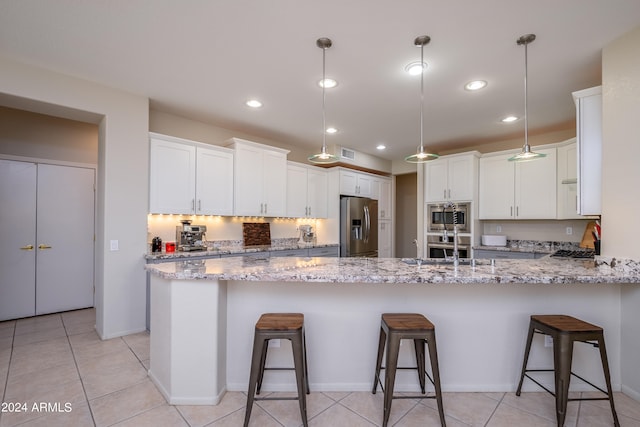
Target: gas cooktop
x,y
579,254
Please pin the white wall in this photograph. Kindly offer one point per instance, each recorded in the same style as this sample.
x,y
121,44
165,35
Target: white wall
x,y
122,183
620,179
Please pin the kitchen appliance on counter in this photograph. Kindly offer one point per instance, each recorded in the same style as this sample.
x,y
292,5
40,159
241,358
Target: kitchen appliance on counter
x,y
307,235
358,227
440,217
190,237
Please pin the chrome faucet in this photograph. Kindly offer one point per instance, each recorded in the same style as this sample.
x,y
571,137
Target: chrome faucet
x,y
456,254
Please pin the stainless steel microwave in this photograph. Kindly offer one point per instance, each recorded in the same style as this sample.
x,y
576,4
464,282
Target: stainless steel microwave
x,y
441,218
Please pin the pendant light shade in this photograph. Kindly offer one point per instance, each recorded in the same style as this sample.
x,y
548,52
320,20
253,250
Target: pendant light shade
x,y
526,154
421,156
323,157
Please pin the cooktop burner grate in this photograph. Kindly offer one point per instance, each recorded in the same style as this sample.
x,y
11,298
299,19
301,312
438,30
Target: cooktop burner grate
x,y
565,253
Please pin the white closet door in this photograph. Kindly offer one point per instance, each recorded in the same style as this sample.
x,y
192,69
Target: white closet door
x,y
65,245
17,234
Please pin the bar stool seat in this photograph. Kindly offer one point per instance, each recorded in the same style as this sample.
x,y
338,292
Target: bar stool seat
x,y
289,326
395,327
565,330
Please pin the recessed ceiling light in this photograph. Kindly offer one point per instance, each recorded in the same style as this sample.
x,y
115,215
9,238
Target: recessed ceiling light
x,y
327,83
510,119
415,68
381,147
254,103
475,85
332,130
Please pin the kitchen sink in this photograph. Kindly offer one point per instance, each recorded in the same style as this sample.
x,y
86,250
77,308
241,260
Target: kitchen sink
x,y
436,261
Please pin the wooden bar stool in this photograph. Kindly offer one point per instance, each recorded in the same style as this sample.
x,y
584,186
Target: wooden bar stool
x,y
396,327
565,330
288,326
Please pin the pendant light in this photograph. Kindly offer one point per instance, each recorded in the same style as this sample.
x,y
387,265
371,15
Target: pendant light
x,y
526,154
323,157
421,156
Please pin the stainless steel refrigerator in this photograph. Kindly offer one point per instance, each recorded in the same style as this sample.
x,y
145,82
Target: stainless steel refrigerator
x,y
358,227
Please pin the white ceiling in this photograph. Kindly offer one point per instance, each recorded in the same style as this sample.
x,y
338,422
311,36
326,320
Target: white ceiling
x,y
203,59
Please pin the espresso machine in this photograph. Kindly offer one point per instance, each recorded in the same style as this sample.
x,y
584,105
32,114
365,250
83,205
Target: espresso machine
x,y
191,237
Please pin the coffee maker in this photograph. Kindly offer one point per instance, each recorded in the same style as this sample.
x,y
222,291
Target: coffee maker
x,y
190,237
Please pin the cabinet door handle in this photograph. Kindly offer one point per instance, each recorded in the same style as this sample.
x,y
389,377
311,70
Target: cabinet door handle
x,y
449,193
444,194
265,208
261,207
43,246
199,205
27,248
193,205
517,210
510,210
309,211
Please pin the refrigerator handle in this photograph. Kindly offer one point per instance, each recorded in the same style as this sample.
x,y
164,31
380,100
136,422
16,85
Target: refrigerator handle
x,y
367,224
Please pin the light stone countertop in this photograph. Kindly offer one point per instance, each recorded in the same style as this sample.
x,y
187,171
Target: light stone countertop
x,y
393,270
232,250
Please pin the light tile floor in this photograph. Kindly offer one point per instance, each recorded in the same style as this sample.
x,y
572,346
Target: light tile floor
x,y
59,361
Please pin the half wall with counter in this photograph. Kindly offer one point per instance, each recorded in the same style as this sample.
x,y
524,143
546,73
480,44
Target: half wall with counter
x,y
203,314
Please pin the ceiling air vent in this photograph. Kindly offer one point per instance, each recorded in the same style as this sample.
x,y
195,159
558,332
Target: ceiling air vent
x,y
347,154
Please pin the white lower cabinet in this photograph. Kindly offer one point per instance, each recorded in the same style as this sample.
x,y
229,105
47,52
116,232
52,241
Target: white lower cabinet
x,y
47,245
518,190
188,177
306,191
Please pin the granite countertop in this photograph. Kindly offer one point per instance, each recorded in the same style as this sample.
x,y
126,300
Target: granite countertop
x,y
233,250
393,270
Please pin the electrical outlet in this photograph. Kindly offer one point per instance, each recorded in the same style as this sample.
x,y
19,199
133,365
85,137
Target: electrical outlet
x,y
498,229
548,341
569,231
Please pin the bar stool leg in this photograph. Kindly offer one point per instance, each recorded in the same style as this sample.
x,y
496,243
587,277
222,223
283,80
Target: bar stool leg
x,y
381,344
607,378
393,348
419,348
562,358
298,363
306,366
263,361
435,369
254,374
526,357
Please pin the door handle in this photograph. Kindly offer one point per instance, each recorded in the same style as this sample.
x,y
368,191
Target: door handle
x,y
43,246
27,248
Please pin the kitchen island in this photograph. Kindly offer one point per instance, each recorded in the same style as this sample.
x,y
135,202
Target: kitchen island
x,y
203,313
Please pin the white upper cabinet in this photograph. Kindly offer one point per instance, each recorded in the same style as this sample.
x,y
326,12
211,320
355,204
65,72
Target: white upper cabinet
x,y
518,190
260,179
589,152
306,191
384,199
451,178
567,182
187,177
354,183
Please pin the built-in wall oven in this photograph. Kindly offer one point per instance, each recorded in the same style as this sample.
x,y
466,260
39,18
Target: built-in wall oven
x,y
440,233
437,246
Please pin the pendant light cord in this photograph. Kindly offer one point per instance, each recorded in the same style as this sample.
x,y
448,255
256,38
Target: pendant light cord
x,y
526,115
324,118
421,98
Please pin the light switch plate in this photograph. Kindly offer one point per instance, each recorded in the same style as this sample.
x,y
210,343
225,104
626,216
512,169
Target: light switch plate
x,y
114,245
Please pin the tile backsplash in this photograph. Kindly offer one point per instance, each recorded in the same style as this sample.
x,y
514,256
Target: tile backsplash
x,y
555,231
230,228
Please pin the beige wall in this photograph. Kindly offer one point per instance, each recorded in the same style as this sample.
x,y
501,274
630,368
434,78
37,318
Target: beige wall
x,y
405,215
620,180
123,153
40,136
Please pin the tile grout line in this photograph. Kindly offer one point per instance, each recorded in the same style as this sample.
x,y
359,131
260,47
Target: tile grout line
x,y
6,376
495,409
75,362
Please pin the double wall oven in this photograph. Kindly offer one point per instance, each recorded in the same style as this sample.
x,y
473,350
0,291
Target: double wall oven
x,y
440,229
